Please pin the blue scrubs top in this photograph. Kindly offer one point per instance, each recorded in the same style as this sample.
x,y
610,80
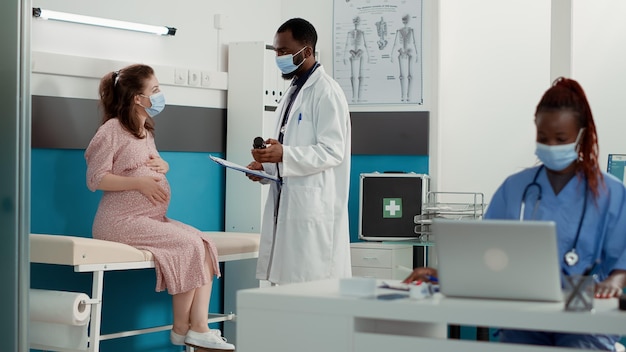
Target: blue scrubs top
x,y
602,235
603,232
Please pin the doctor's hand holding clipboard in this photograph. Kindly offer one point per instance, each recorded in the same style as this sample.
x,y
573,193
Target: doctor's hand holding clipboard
x,y
257,173
270,152
255,166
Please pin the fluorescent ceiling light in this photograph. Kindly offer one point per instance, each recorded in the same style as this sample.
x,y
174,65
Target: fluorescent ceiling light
x,y
103,22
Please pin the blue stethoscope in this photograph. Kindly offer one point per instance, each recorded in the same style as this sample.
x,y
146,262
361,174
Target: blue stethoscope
x,y
571,257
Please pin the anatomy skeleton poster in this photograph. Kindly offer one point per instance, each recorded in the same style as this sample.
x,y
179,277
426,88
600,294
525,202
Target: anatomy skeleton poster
x,y
377,50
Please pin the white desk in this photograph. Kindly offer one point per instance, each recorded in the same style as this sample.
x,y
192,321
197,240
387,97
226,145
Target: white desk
x,y
314,317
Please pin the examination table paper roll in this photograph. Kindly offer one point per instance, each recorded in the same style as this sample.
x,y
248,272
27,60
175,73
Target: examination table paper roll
x,y
60,307
58,319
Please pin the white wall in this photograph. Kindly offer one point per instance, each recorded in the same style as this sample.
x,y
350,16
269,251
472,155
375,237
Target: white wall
x,y
494,64
494,67
197,45
194,45
599,64
489,65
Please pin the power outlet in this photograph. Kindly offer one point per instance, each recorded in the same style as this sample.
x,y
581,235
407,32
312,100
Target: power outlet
x,y
194,78
181,76
205,79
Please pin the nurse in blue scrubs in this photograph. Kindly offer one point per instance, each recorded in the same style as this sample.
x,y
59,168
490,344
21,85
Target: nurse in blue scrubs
x,y
569,188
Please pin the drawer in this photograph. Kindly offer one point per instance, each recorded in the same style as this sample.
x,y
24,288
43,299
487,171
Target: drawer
x,y
377,273
373,258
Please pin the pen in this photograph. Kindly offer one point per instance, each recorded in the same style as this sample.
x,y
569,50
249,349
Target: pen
x,y
299,118
591,268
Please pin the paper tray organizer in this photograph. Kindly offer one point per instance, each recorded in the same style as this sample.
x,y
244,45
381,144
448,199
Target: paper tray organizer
x,y
448,205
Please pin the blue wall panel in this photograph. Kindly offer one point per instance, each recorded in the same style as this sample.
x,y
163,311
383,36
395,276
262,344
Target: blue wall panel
x,y
62,204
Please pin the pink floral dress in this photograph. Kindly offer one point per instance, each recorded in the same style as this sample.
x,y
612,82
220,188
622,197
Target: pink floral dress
x,y
129,217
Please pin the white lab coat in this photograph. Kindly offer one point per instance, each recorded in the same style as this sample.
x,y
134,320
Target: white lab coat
x,y
311,240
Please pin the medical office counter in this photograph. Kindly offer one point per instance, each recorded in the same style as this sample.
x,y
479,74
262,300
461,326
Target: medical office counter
x,y
313,316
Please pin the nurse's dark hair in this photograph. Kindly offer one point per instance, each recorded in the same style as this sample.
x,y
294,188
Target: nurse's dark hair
x,y
567,94
301,30
117,97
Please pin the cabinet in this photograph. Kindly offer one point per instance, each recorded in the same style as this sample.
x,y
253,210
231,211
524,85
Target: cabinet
x,y
255,87
381,260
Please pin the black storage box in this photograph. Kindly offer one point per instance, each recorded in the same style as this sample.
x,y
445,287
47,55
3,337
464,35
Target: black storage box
x,y
388,204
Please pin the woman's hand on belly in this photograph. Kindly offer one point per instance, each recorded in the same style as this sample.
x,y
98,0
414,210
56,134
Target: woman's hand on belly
x,y
157,164
149,187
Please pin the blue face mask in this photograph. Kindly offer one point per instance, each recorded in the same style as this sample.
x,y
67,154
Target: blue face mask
x,y
285,62
157,101
558,157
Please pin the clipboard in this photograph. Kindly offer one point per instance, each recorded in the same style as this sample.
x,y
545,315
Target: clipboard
x,y
231,165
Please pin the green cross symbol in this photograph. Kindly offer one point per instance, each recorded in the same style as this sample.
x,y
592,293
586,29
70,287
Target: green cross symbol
x,y
392,208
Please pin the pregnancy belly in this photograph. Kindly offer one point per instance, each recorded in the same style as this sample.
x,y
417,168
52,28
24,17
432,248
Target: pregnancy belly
x,y
128,204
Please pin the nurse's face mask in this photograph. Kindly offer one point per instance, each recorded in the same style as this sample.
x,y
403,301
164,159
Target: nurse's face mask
x,y
558,157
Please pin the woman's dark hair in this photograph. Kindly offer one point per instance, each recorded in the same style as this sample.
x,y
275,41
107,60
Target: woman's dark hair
x,y
117,97
567,94
301,30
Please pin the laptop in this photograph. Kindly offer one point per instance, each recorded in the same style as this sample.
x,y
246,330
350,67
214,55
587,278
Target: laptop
x,y
498,259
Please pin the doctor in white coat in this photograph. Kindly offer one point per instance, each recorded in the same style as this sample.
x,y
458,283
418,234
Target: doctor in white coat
x,y
304,234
